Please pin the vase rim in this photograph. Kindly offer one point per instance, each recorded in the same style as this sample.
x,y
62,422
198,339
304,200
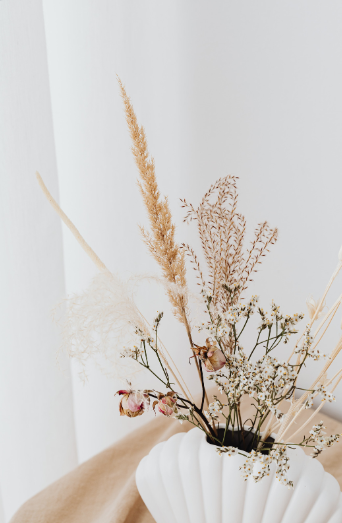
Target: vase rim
x,y
223,426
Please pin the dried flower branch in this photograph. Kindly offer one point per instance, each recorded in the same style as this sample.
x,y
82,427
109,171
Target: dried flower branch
x,y
92,255
222,230
104,317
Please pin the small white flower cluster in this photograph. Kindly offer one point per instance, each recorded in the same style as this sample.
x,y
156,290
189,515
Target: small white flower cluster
x,y
286,322
267,380
143,337
326,396
277,413
276,313
218,331
184,415
264,320
214,410
210,418
240,310
207,295
157,320
230,451
222,326
305,347
131,352
280,457
258,465
221,331
320,441
138,349
317,430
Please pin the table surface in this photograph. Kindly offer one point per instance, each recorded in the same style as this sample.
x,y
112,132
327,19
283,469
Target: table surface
x,y
103,489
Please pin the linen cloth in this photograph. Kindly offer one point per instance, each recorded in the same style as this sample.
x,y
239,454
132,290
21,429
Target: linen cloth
x,y
103,490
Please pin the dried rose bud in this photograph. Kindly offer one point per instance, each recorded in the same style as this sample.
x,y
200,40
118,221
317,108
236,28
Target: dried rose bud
x,y
132,403
215,360
211,356
167,405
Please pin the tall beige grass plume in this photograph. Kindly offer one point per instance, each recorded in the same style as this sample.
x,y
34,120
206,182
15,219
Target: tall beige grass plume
x,y
161,238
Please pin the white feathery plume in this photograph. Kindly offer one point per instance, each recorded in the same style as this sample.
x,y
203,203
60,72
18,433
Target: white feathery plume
x,y
99,322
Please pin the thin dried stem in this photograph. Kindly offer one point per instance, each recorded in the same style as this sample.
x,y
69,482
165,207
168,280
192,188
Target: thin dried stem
x,y
298,406
268,429
92,255
313,415
332,310
337,270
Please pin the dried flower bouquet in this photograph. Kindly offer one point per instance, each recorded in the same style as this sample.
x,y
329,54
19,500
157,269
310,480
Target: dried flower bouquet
x,y
106,317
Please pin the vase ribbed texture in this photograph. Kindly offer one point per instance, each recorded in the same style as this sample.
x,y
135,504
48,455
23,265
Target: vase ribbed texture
x,y
184,480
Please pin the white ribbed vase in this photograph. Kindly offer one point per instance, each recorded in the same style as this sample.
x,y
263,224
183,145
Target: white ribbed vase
x,y
184,480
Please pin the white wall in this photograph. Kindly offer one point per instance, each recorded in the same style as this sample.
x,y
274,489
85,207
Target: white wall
x,y
2,513
37,443
247,88
97,172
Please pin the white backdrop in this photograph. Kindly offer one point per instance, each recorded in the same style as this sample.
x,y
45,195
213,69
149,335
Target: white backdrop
x,y
37,438
243,88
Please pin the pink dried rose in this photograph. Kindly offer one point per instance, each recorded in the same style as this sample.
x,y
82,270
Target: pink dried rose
x,y
133,403
167,405
211,356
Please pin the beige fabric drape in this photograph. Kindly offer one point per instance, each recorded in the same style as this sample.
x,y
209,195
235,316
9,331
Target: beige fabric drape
x,y
103,489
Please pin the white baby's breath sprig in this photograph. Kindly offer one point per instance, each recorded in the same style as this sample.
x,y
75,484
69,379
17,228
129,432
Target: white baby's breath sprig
x,y
258,465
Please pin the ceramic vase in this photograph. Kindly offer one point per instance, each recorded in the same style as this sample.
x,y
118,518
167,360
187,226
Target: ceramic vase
x,y
184,480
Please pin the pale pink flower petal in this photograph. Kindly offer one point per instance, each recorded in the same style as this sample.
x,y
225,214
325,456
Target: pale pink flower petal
x,y
312,306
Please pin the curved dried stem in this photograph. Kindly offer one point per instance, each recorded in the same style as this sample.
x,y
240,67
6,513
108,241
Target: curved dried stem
x,y
92,255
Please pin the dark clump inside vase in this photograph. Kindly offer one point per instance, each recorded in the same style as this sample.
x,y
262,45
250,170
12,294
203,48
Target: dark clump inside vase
x,y
243,440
